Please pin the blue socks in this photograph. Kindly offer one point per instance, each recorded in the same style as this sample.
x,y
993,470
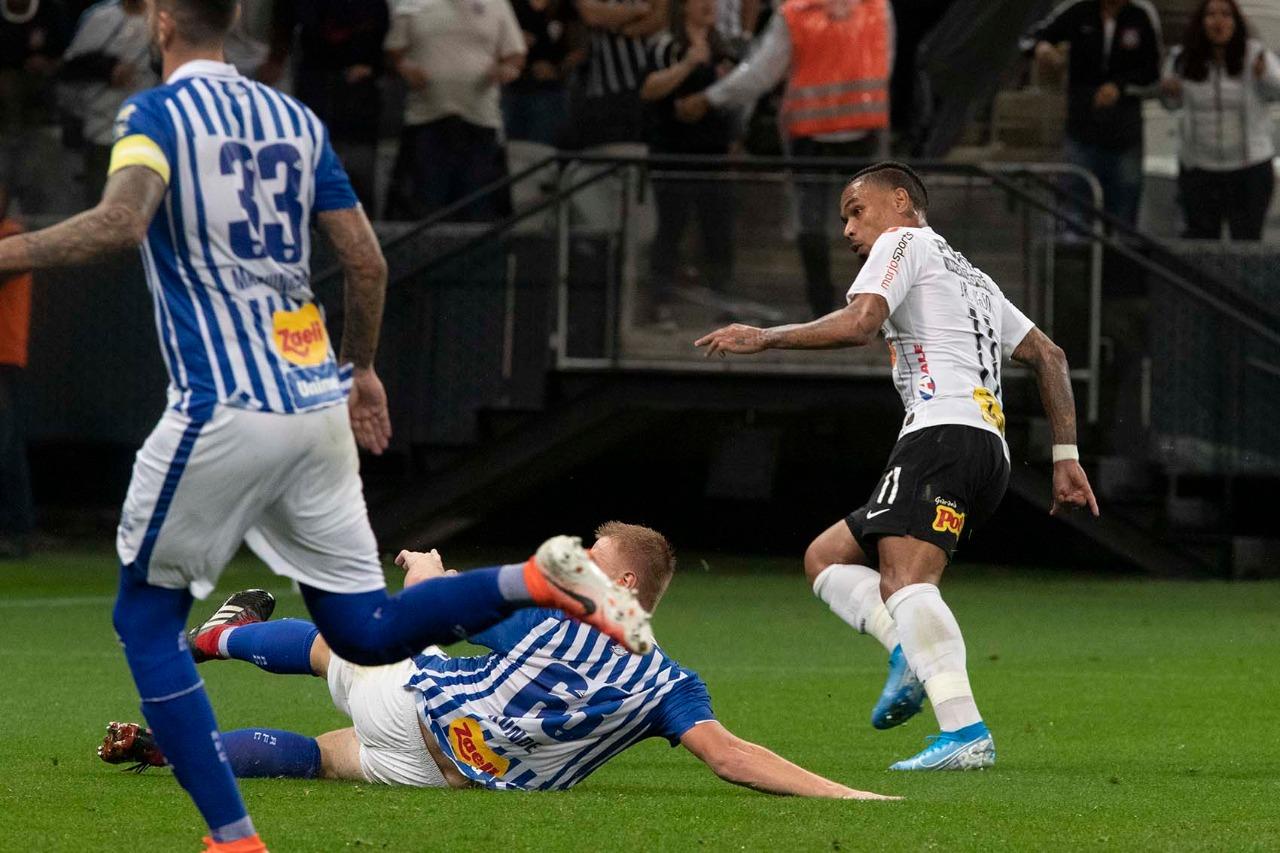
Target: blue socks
x,y
373,628
282,647
151,624
272,753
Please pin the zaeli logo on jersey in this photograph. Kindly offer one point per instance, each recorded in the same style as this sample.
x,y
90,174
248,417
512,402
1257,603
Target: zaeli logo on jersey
x,y
467,741
926,386
947,517
300,336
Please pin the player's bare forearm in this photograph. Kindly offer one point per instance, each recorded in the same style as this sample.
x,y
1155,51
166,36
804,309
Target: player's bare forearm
x,y
1054,379
366,282
118,222
752,766
854,325
763,770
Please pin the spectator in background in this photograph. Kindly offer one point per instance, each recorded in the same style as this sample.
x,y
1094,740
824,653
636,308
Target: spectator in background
x,y
607,108
1222,80
1115,48
33,35
685,61
736,22
839,53
535,108
339,62
247,45
16,515
108,60
454,56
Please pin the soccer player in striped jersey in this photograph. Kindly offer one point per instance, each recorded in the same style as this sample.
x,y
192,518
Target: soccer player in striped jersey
x,y
220,180
550,704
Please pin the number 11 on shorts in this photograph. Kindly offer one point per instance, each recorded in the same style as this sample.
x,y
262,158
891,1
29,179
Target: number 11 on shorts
x,y
889,486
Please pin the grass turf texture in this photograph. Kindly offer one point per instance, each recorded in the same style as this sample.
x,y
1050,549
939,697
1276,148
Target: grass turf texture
x,y
1128,714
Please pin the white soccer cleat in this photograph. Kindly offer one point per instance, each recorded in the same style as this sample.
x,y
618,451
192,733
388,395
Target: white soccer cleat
x,y
582,590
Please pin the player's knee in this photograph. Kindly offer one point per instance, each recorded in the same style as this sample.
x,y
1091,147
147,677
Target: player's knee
x,y
816,560
366,651
891,580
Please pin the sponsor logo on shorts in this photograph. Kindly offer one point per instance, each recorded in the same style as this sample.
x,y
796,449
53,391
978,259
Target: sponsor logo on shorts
x,y
312,386
300,337
947,519
891,271
466,738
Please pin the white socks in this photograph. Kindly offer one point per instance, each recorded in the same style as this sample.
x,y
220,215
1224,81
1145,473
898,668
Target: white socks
x,y
853,594
934,647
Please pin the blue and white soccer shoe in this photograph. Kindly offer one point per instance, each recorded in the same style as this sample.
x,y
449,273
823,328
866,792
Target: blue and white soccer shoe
x,y
970,748
903,694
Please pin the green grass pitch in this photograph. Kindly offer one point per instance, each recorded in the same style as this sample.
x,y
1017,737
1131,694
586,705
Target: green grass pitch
x,y
1128,715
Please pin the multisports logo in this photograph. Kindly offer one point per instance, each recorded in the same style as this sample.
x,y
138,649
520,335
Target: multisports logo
x,y
947,519
891,271
467,740
300,336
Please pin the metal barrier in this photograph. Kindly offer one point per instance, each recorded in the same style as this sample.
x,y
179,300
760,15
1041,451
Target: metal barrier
x,y
999,225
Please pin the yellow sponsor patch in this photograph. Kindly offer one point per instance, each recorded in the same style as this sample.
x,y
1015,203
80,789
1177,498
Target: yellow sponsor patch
x,y
467,741
992,413
138,150
300,336
947,520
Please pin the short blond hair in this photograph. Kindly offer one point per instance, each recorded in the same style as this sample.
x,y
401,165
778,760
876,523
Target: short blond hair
x,y
648,553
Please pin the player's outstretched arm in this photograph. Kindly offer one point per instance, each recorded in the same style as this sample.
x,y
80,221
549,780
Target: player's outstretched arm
x,y
366,289
752,766
854,325
1070,483
118,222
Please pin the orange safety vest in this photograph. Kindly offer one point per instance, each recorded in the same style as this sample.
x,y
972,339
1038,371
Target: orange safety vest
x,y
839,68
15,308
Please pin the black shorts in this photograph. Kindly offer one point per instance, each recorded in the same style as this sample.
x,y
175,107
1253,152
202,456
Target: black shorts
x,y
940,483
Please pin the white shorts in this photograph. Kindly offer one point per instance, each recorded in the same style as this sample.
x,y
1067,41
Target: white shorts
x,y
286,485
385,717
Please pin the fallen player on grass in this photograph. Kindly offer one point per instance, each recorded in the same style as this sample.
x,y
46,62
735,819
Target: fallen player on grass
x,y
552,702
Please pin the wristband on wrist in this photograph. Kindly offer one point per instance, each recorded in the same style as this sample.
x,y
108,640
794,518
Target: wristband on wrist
x,y
1063,452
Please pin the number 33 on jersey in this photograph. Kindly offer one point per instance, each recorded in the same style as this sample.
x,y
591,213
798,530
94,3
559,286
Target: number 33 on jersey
x,y
949,327
228,255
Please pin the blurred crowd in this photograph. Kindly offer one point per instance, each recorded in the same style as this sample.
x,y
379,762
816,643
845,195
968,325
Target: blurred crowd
x,y
455,81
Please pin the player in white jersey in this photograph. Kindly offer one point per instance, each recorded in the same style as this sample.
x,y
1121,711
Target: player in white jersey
x,y
220,179
551,703
948,328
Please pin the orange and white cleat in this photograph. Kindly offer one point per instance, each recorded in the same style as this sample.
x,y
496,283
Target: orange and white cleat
x,y
562,575
252,844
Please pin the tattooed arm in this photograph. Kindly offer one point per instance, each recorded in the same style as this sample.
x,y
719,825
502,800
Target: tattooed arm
x,y
366,288
1070,484
118,222
366,281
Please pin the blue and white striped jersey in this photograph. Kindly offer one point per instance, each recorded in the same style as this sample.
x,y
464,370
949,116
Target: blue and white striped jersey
x,y
552,702
227,256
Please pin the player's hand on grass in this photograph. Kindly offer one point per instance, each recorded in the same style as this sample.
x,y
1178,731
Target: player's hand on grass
x,y
1071,488
737,338
419,566
866,795
367,404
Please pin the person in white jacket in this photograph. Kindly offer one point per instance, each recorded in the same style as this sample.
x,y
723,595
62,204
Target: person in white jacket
x,y
1222,79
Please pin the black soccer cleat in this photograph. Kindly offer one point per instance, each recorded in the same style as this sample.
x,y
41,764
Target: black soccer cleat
x,y
126,742
242,608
